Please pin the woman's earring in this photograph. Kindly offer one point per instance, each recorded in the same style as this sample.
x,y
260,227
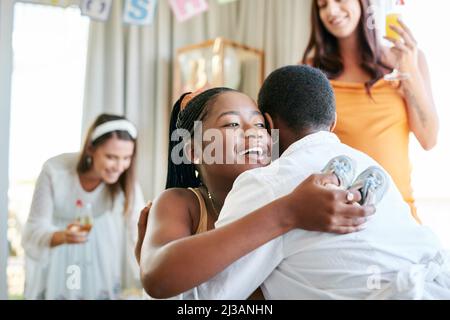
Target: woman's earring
x,y
89,161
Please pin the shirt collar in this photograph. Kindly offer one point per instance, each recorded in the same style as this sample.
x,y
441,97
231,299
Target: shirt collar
x,y
320,137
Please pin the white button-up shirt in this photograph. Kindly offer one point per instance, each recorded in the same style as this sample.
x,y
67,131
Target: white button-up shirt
x,y
393,257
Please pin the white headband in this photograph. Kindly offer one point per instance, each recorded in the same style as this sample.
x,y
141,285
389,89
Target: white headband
x,y
116,125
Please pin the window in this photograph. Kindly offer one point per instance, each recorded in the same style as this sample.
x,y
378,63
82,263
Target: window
x,y
430,169
49,58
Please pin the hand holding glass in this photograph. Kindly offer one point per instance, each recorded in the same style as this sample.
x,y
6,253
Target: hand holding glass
x,y
392,19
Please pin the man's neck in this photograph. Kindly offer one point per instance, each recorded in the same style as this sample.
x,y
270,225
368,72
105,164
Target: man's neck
x,y
289,137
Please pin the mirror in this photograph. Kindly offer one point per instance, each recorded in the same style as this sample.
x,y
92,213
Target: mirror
x,y
219,63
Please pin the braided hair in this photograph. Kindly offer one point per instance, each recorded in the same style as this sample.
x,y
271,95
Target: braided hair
x,y
183,175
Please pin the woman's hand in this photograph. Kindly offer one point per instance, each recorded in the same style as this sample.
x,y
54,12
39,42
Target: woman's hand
x,y
71,235
314,206
405,49
142,228
74,235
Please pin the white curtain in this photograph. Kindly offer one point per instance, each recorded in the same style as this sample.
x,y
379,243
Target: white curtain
x,y
6,26
129,69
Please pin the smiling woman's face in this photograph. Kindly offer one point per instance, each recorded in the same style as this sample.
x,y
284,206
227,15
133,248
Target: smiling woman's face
x,y
340,17
235,138
111,159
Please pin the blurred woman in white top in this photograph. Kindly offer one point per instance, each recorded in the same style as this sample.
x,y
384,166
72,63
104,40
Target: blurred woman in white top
x,y
69,258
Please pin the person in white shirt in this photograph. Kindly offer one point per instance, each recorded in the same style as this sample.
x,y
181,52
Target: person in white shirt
x,y
69,256
392,258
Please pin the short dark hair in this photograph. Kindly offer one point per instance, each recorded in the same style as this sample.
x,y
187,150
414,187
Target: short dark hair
x,y
300,96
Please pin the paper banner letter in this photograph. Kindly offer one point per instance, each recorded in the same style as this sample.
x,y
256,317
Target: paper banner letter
x,y
96,9
186,9
139,12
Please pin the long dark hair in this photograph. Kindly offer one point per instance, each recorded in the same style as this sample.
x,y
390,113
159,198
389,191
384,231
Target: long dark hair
x,y
184,175
323,50
127,179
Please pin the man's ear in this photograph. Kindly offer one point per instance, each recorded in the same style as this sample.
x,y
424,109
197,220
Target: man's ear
x,y
333,125
269,121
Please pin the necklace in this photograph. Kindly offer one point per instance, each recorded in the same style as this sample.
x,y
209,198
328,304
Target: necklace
x,y
212,203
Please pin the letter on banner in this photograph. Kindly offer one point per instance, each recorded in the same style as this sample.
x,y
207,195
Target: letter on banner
x,y
96,9
139,12
186,9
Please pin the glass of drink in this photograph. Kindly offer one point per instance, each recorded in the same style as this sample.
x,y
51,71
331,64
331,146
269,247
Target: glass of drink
x,y
84,216
392,17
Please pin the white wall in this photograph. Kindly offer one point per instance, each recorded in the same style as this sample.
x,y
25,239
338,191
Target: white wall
x,y
6,17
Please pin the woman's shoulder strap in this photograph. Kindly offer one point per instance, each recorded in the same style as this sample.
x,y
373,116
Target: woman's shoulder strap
x,y
203,220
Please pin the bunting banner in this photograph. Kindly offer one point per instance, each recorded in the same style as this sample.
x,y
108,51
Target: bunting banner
x,y
225,1
140,12
96,9
58,3
186,9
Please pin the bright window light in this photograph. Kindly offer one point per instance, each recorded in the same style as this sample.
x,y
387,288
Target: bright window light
x,y
49,60
431,173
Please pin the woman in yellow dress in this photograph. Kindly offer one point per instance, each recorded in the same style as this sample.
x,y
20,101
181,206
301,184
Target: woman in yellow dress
x,y
374,115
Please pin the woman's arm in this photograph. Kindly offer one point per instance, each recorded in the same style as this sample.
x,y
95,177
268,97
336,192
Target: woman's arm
x,y
39,229
173,261
423,118
40,233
